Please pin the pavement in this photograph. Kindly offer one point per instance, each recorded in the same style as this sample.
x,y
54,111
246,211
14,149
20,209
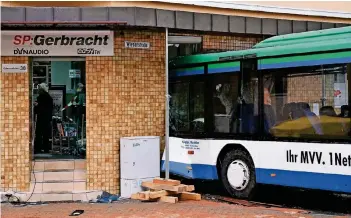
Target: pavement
x,y
136,209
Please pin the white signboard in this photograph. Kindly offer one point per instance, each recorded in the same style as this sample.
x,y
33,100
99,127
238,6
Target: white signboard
x,y
57,43
142,45
14,68
74,73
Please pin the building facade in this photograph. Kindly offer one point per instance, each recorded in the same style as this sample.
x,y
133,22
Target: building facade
x,y
124,89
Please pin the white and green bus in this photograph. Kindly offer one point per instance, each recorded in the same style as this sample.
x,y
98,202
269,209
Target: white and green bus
x,y
278,114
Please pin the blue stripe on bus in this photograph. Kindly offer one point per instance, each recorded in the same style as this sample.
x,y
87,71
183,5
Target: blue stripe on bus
x,y
224,70
305,63
192,171
186,73
322,181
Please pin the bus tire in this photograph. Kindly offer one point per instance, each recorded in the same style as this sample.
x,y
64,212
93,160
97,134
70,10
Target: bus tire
x,y
238,174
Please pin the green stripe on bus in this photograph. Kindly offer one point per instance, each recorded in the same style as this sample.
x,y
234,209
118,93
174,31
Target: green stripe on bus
x,y
188,68
306,57
223,65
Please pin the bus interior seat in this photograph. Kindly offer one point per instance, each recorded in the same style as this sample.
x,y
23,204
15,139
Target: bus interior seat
x,y
337,126
300,109
327,111
305,107
345,111
312,117
296,110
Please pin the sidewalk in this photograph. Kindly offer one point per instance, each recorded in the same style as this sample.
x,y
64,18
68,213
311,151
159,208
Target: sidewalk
x,y
136,209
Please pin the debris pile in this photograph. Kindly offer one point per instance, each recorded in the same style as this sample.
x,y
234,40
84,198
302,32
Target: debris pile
x,y
166,190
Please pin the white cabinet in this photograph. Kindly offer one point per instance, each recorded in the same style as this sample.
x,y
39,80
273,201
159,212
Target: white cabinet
x,y
131,186
139,161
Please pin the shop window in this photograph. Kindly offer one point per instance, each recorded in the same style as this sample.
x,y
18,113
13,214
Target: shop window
x,y
308,102
65,79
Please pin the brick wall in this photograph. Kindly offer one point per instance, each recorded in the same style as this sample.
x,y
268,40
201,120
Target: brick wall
x,y
125,97
14,128
229,42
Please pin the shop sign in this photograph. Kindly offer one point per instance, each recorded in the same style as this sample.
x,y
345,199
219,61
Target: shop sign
x,y
142,45
14,68
57,43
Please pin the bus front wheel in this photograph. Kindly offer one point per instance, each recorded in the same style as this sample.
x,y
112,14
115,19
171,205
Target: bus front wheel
x,y
238,174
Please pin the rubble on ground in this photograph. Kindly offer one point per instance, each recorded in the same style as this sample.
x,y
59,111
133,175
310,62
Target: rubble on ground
x,y
166,190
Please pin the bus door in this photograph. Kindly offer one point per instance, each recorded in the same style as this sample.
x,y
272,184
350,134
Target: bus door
x,y
249,100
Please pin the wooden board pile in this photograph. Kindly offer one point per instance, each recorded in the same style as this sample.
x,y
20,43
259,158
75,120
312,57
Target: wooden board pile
x,y
166,190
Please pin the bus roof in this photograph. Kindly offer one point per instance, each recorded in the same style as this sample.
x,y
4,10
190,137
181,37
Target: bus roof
x,y
306,37
290,44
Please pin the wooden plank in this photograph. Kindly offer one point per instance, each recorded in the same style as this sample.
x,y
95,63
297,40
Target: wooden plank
x,y
157,194
183,187
169,199
190,196
134,196
190,188
166,181
159,187
144,196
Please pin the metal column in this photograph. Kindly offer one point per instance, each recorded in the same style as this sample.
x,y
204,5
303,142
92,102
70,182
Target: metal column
x,y
167,111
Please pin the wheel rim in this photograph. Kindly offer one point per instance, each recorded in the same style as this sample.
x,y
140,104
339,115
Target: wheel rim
x,y
238,175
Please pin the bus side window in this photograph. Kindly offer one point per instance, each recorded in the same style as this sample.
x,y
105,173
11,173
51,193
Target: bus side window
x,y
179,107
186,108
225,93
310,102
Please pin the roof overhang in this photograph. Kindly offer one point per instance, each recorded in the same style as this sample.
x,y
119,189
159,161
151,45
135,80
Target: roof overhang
x,y
63,24
261,8
136,17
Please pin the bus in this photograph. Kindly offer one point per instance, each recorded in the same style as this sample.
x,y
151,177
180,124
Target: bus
x,y
278,114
